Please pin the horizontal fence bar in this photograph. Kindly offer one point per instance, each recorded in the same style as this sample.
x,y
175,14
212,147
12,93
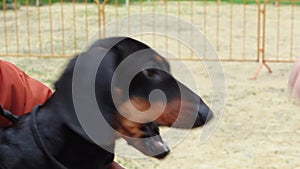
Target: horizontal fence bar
x,y
33,55
170,58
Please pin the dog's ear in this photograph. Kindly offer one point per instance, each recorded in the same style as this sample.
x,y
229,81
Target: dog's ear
x,y
67,73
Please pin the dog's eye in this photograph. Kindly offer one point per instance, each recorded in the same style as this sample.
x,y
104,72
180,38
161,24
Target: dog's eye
x,y
151,73
150,129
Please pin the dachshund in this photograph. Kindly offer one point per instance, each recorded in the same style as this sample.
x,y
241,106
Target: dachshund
x,y
52,135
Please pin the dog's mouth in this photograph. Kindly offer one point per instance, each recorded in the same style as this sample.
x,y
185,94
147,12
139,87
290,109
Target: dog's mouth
x,y
151,146
147,140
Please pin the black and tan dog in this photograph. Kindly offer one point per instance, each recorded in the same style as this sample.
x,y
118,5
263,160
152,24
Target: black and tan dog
x,y
51,136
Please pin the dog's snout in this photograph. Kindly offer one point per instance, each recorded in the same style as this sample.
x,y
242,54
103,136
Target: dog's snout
x,y
162,155
204,115
165,151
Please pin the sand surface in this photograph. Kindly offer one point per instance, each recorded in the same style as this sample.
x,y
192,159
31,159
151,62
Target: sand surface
x,y
259,127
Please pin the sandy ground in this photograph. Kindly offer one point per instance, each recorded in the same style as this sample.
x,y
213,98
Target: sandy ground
x,y
259,127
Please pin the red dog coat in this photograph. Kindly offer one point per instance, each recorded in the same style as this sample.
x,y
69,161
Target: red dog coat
x,y
18,92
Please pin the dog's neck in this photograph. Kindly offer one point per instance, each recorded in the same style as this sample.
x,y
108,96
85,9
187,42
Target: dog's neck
x,y
65,139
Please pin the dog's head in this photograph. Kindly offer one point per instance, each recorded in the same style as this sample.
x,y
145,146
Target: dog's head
x,y
136,93
178,107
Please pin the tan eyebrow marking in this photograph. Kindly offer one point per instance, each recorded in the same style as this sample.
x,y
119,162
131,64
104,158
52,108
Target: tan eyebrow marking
x,y
158,59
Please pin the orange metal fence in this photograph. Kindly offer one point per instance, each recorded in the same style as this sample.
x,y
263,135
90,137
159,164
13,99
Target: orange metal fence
x,y
261,31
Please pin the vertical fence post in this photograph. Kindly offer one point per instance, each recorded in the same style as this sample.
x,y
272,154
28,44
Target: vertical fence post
x,y
179,27
153,23
192,31
5,29
17,28
230,29
204,27
166,27
51,26
292,29
258,29
86,22
141,12
101,12
39,28
74,26
104,16
261,46
62,26
218,26
277,3
4,5
244,29
99,18
28,27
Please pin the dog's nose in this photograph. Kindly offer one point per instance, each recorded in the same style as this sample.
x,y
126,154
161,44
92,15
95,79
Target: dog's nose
x,y
164,149
204,115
